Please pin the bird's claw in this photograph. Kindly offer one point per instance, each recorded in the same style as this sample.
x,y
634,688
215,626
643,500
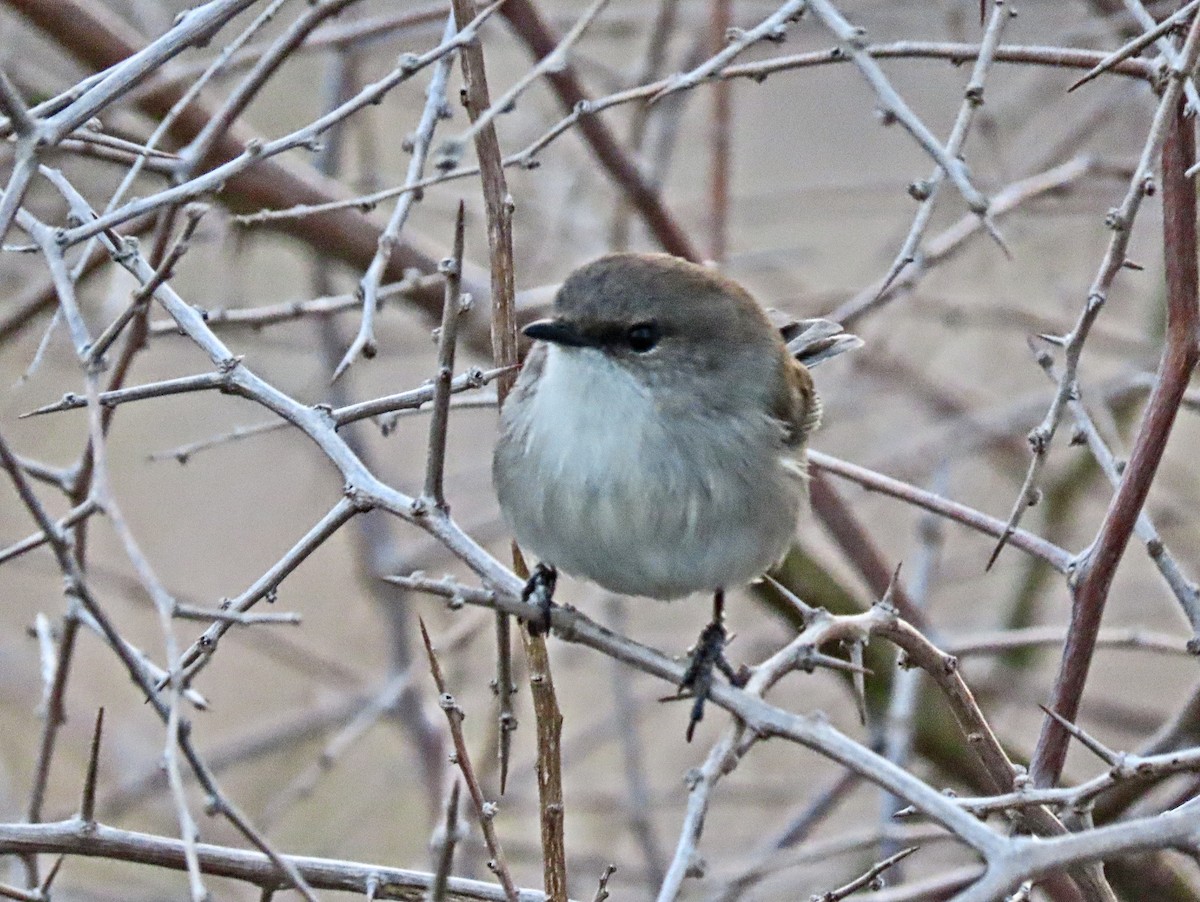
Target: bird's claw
x,y
539,590
708,655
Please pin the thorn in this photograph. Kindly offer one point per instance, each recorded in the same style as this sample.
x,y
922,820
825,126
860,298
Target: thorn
x,y
993,230
892,275
859,680
434,667
44,889
890,592
1005,536
1093,745
820,659
87,805
445,853
1059,341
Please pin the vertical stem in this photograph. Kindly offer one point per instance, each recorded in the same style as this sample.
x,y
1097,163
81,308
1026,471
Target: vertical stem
x,y
722,115
452,306
504,321
1096,571
549,767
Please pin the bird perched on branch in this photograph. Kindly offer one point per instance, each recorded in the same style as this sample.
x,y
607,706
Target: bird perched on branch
x,y
654,442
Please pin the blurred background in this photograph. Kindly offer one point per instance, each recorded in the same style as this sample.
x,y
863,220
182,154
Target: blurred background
x,y
941,396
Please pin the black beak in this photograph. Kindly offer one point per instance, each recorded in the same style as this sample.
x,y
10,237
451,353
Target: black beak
x,y
558,331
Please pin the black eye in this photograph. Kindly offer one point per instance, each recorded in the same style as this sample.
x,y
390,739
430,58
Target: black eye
x,y
642,337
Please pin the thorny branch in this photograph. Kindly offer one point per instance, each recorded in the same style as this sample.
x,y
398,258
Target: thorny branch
x,y
1094,575
220,159
1120,221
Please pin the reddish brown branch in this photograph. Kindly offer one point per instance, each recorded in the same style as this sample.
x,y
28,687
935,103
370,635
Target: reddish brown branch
x,y
858,547
721,124
1096,571
549,766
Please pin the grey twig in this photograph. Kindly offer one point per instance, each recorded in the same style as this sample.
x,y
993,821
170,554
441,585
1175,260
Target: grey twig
x,y
194,26
439,423
1168,50
368,286
946,243
74,837
289,311
1137,45
199,652
1184,589
166,388
772,28
75,515
866,879
1056,557
411,401
798,829
1091,743
853,43
188,612
1120,221
450,153
209,181
141,298
383,702
199,148
927,191
13,106
1055,57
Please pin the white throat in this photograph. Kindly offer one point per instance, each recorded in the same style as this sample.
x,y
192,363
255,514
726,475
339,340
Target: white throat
x,y
592,410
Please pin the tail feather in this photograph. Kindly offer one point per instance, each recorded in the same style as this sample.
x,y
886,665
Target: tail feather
x,y
812,341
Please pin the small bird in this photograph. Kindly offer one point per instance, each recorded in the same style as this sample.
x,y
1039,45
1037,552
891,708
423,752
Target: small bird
x,y
654,441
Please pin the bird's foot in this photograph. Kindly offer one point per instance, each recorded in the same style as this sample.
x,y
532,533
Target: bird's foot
x,y
707,656
539,590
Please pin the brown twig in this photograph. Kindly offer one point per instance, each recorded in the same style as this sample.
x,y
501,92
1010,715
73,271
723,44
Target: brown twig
x,y
498,207
720,140
485,811
1056,557
856,543
551,808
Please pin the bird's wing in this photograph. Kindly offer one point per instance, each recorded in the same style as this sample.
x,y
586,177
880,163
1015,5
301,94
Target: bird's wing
x,y
797,405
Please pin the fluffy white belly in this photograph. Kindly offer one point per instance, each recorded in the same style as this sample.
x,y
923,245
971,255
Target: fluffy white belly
x,y
596,482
